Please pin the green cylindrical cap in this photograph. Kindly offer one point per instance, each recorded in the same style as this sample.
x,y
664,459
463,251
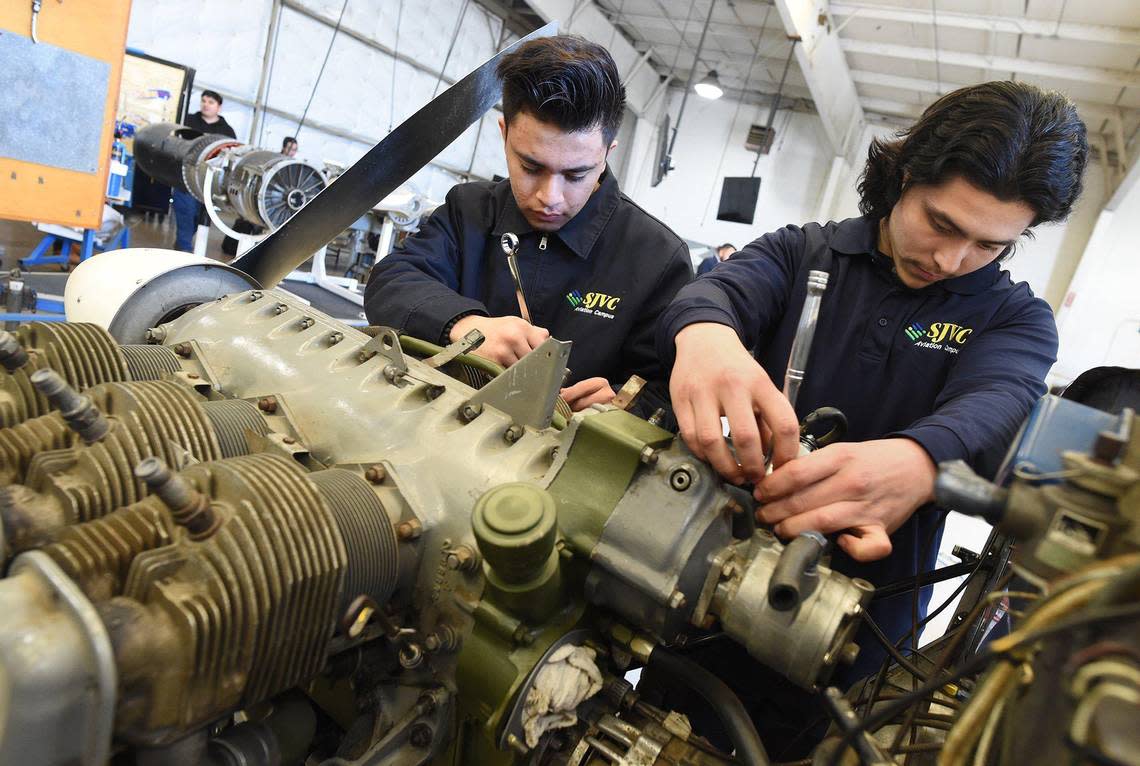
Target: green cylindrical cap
x,y
515,527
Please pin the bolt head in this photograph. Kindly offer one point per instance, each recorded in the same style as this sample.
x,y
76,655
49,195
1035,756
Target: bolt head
x,y
677,600
288,440
376,474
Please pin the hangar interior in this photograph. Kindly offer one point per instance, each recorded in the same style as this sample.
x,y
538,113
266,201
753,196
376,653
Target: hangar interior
x,y
243,522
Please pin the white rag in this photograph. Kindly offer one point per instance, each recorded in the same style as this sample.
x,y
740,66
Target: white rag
x,y
569,678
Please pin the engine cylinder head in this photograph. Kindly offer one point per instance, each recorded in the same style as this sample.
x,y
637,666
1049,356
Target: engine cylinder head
x,y
23,441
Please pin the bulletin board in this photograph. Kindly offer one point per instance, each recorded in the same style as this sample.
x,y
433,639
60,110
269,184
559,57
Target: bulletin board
x,y
58,98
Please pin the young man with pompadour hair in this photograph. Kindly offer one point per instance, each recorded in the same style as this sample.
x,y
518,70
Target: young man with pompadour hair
x,y
930,349
595,268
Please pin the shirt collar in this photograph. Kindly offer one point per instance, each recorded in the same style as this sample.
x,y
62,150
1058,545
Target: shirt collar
x,y
581,233
859,236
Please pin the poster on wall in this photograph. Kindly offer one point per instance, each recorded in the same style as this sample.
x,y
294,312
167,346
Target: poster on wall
x,y
152,90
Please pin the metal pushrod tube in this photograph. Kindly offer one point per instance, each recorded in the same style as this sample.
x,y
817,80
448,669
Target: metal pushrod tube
x,y
805,331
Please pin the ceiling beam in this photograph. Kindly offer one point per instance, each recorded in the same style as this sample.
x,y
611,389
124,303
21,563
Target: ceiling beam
x,y
1091,33
1072,72
933,88
824,67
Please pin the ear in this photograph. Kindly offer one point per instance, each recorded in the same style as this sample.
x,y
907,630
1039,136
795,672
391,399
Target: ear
x,y
613,145
503,128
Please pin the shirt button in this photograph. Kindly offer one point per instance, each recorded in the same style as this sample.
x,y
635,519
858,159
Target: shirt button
x,y
882,321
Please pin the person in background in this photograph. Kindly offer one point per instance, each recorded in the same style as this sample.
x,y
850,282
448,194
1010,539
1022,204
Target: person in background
x,y
289,146
187,210
722,253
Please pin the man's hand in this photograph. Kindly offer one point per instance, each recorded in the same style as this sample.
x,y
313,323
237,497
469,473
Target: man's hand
x,y
507,339
715,375
587,392
865,490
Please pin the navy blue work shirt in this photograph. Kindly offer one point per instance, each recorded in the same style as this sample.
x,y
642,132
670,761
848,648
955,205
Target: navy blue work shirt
x,y
601,281
955,366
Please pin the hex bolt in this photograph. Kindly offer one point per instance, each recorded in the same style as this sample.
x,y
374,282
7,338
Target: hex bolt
x,y
78,410
432,643
156,335
677,600
680,479
12,354
514,433
649,456
267,404
391,373
420,736
182,349
255,296
280,308
335,338
462,558
376,474
409,530
307,322
469,412
288,440
189,507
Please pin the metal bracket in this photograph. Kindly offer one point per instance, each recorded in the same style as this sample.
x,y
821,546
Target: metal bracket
x,y
386,343
629,393
528,389
466,344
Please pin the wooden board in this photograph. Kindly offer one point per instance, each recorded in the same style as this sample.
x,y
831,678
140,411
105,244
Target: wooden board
x,y
34,192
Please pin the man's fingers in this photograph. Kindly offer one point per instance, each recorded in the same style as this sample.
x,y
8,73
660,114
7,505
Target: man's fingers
x,y
828,519
866,543
745,435
709,434
686,424
798,475
597,397
778,414
820,494
535,336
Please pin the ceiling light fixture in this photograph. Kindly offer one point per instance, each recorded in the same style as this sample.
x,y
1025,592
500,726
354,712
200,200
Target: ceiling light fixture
x,y
709,87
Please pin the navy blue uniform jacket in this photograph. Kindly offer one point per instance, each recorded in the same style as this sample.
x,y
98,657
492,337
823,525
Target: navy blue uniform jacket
x,y
955,366
601,281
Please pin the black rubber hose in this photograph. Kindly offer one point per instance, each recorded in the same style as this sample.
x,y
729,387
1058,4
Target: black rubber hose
x,y
794,576
726,705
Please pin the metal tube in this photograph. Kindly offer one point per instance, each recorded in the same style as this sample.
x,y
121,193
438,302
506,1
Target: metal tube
x,y
689,84
805,331
775,101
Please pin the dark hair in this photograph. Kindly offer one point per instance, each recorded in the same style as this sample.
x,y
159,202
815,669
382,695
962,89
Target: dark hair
x,y
214,95
286,141
1013,140
565,80
726,244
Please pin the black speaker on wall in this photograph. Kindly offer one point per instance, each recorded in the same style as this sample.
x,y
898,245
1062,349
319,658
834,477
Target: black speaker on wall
x,y
738,199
